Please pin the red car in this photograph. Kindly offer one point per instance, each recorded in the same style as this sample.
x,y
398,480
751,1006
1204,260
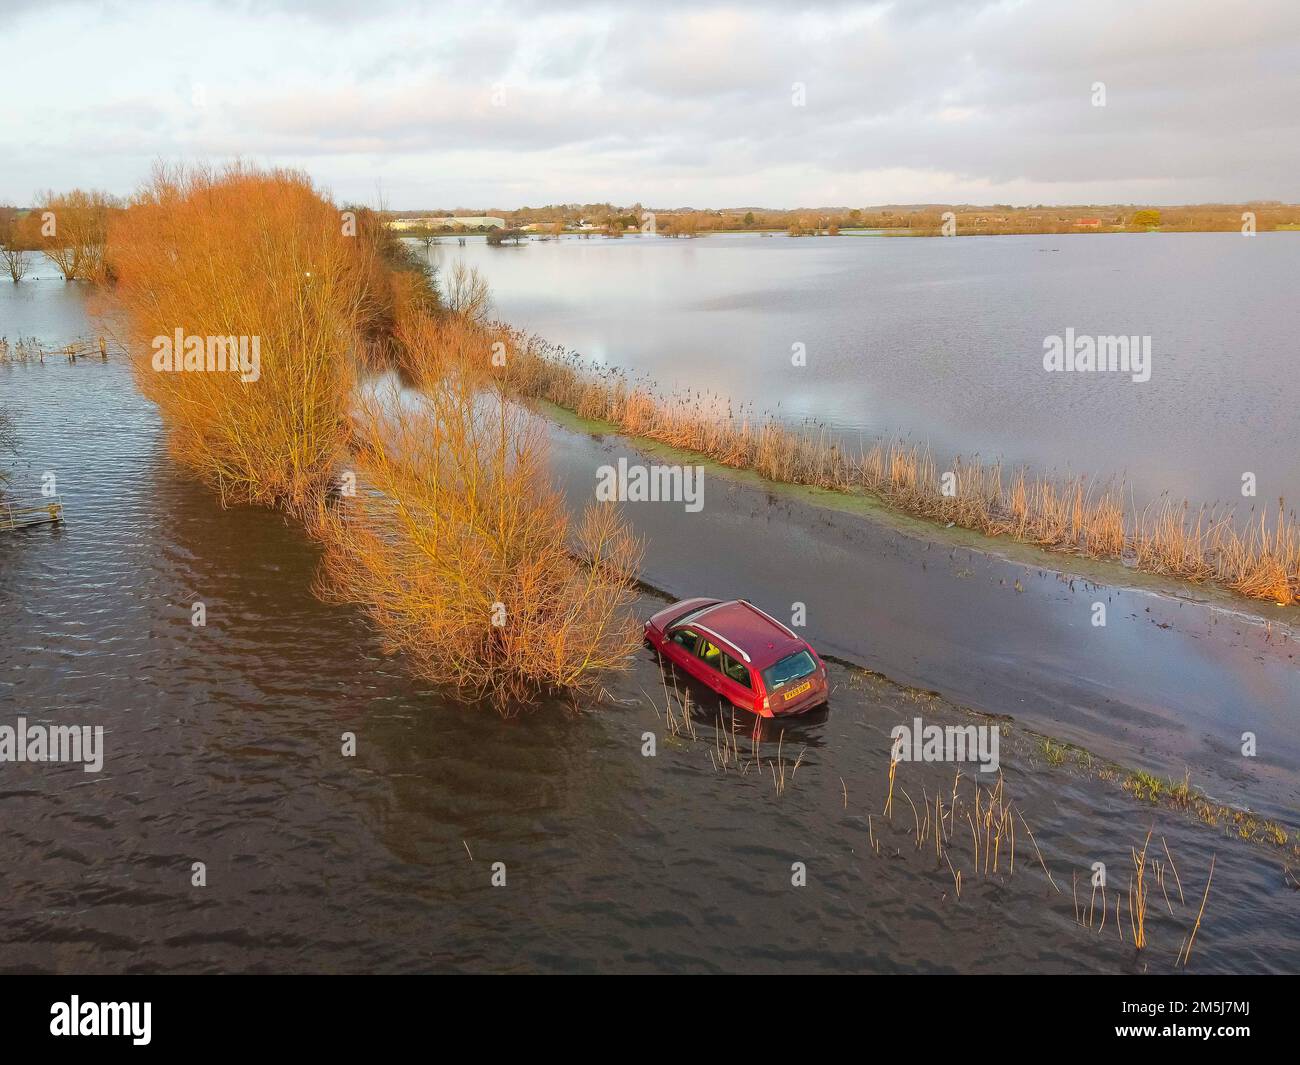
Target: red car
x,y
743,654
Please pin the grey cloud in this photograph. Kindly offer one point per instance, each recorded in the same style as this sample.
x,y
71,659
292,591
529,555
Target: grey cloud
x,y
699,94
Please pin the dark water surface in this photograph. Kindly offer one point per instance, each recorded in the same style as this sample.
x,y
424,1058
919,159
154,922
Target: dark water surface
x,y
223,747
942,340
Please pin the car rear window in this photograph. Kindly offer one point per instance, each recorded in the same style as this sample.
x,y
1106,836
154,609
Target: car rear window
x,y
791,667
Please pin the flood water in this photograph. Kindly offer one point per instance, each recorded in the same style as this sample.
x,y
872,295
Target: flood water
x,y
223,746
942,340
1168,685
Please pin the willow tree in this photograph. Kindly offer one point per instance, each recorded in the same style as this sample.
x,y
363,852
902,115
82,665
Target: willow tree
x,y
73,227
14,246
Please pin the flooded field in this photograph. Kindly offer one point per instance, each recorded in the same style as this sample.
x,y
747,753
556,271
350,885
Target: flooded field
x,y
942,341
223,746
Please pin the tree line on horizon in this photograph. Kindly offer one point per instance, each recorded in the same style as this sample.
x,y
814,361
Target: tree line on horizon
x,y
918,219
71,227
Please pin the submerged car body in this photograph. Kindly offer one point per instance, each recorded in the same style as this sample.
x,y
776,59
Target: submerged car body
x,y
742,653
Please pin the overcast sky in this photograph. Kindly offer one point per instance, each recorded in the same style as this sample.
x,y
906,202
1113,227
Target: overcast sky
x,y
668,103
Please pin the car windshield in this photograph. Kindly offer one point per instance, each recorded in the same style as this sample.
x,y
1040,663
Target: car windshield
x,y
791,667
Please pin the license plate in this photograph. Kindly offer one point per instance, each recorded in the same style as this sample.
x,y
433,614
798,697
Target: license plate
x,y
806,686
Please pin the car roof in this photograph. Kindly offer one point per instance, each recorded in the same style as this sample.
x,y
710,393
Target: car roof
x,y
760,636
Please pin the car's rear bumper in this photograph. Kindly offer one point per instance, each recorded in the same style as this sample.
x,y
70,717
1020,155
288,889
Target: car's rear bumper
x,y
812,704
805,701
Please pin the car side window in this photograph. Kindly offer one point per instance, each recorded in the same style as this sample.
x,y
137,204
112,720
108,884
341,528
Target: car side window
x,y
686,639
736,671
712,655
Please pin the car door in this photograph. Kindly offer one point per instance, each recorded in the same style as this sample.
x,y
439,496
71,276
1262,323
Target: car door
x,y
737,681
725,674
708,656
680,648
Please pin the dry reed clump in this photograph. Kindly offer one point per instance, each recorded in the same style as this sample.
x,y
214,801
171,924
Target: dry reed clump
x,y
950,820
8,441
1260,559
245,253
726,753
22,349
943,824
1150,874
463,554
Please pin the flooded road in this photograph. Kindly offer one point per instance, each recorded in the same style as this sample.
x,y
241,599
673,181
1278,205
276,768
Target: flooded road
x,y
223,745
1170,683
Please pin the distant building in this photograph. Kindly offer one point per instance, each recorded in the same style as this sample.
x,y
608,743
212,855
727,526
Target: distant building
x,y
1087,223
476,221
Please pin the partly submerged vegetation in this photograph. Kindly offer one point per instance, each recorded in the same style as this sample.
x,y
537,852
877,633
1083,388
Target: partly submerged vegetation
x,y
332,295
446,531
1182,795
1259,558
248,254
967,832
462,551
71,228
8,441
459,549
